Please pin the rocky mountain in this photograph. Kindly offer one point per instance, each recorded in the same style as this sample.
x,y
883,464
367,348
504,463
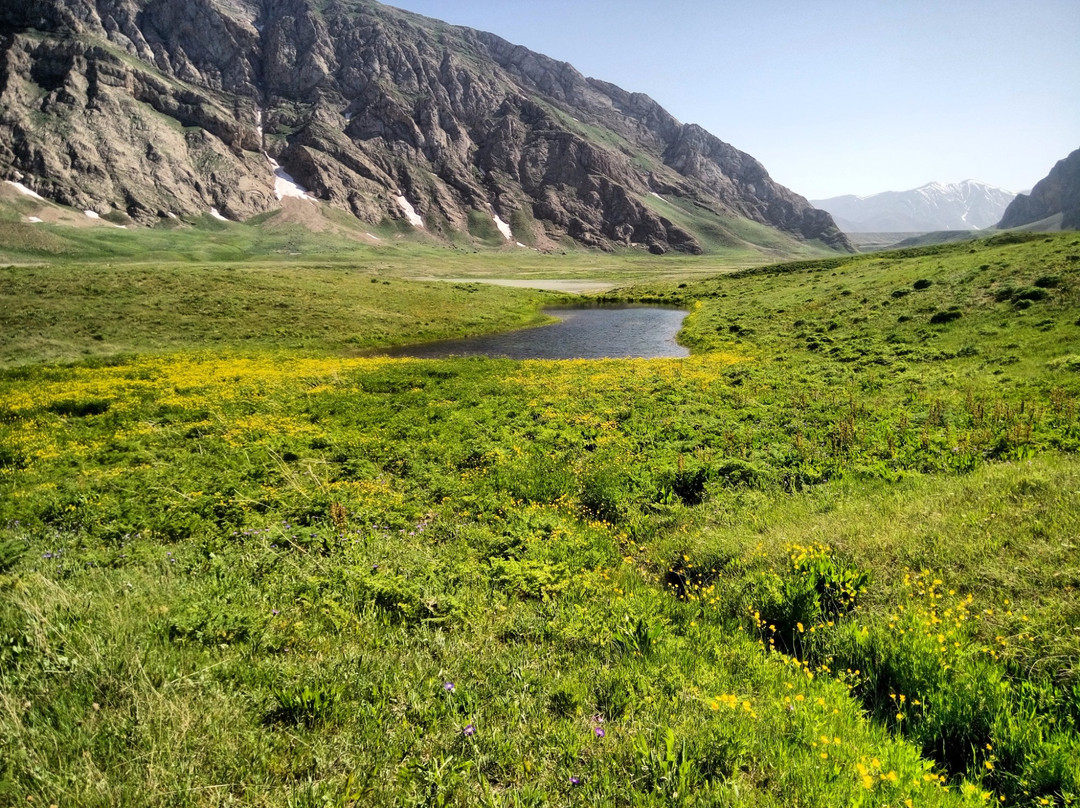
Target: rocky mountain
x,y
1054,202
967,205
155,108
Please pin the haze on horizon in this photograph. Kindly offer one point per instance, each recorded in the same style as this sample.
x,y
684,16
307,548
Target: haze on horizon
x,y
836,97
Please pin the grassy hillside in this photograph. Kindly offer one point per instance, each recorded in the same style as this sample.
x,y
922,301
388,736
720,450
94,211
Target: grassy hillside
x,y
830,559
305,231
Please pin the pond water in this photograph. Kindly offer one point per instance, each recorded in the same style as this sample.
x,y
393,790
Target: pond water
x,y
607,332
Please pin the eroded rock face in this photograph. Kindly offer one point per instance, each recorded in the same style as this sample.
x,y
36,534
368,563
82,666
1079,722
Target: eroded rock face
x,y
156,107
1056,195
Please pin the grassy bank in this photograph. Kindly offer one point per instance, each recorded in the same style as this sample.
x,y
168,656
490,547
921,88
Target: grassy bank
x,y
774,573
66,313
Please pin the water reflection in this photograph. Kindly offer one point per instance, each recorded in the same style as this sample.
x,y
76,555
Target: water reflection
x,y
609,332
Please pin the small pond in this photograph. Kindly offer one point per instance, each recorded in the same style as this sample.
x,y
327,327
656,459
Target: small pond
x,y
602,332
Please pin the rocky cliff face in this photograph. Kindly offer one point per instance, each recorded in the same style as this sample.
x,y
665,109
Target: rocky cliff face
x,y
156,108
1054,202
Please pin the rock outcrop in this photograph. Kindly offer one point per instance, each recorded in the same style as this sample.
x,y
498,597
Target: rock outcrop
x,y
156,108
1054,202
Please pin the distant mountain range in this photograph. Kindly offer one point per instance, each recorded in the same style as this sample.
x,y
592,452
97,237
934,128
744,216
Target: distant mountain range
x,y
967,205
140,111
1054,202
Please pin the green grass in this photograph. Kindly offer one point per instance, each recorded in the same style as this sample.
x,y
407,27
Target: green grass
x,y
66,313
254,570
731,234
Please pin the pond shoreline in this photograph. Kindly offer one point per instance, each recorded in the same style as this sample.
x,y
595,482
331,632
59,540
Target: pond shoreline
x,y
564,285
580,331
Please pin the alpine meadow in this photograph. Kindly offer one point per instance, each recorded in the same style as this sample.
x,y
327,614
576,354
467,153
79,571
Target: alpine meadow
x,y
251,556
829,559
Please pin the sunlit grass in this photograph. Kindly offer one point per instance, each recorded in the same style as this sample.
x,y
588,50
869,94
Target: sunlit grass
x,y
763,575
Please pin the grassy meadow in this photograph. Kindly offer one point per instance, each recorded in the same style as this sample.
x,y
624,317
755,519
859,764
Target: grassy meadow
x,y
832,558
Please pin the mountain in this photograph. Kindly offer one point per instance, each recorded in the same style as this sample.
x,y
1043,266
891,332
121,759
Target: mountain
x,y
148,109
967,205
1054,202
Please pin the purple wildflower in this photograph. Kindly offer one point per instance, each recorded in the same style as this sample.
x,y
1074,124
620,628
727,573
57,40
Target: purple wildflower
x,y
575,781
469,730
599,732
274,612
448,687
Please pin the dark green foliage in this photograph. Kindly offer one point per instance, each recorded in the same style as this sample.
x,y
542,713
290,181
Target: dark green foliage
x,y
79,409
605,492
11,550
689,483
816,589
1034,293
304,704
212,624
942,317
665,766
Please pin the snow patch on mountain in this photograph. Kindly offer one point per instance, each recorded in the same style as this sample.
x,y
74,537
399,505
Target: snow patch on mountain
x,y
409,211
967,205
22,189
285,185
504,228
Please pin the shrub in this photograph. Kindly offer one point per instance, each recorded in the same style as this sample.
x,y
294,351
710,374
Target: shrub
x,y
665,767
536,580
817,588
1069,362
603,492
740,474
211,624
403,598
942,317
689,483
1032,293
536,478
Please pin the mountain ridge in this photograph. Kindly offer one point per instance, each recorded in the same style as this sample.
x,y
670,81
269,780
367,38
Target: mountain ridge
x,y
151,108
965,205
1054,202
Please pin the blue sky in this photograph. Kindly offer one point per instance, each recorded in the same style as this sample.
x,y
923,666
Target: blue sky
x,y
833,96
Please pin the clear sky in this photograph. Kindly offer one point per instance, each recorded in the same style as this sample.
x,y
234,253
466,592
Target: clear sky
x,y
833,96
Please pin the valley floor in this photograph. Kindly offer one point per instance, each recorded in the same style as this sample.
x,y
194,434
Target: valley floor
x,y
829,559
